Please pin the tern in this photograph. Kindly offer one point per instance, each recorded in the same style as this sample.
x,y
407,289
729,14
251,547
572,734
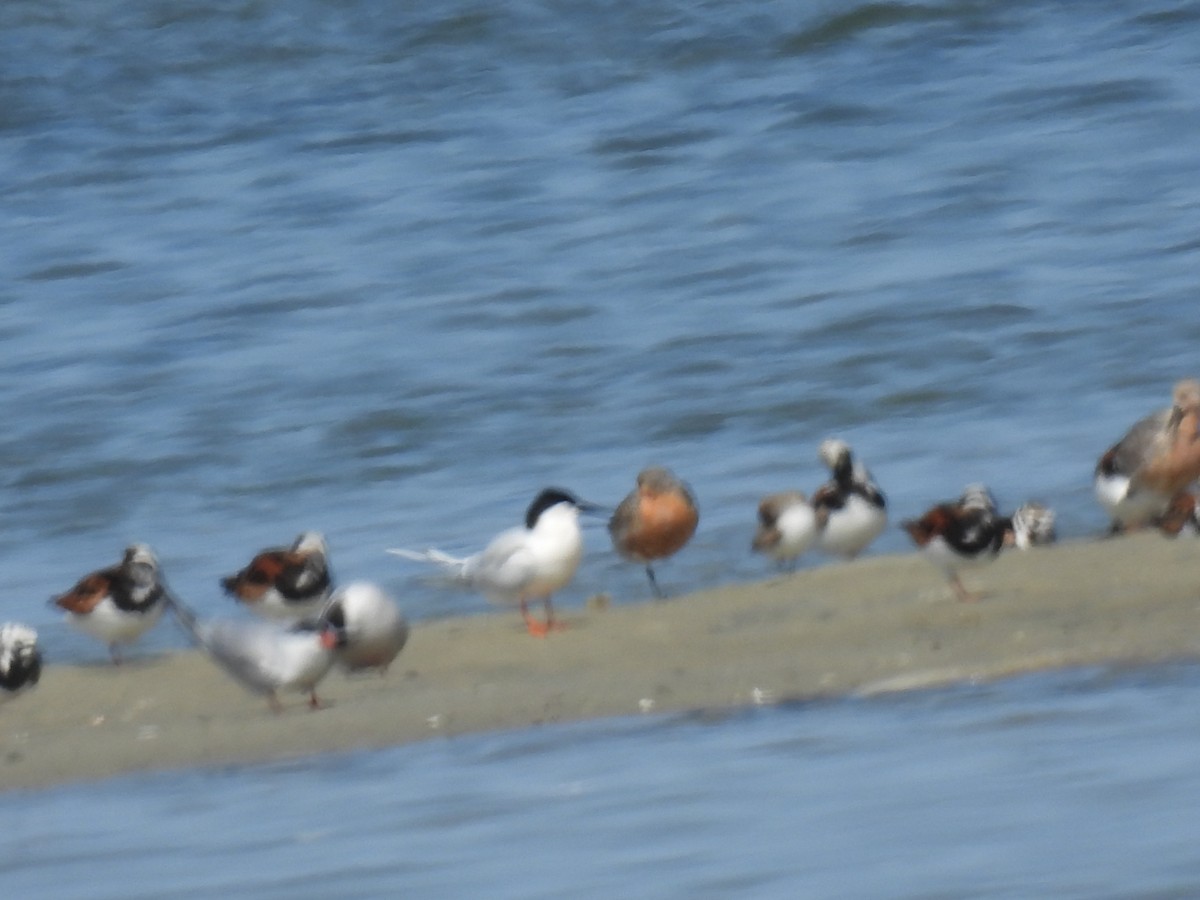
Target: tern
x,y
523,564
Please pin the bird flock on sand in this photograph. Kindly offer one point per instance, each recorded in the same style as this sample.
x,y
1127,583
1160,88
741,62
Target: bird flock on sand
x,y
307,624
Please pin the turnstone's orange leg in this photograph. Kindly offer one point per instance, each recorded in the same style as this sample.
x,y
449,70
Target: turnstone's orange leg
x,y
961,591
273,702
314,702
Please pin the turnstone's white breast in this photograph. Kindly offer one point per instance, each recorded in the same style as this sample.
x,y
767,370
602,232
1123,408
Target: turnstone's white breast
x,y
117,605
851,505
787,526
961,533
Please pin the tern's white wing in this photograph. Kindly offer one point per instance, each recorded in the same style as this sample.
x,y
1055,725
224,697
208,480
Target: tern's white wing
x,y
505,568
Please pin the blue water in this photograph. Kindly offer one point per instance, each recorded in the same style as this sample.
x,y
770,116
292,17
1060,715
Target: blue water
x,y
1082,785
385,271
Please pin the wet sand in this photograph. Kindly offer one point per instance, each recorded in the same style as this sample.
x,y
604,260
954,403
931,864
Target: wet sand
x,y
874,625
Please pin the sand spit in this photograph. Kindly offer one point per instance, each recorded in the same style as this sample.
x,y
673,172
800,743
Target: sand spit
x,y
875,625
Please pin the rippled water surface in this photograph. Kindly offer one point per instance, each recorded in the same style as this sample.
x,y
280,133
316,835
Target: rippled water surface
x,y
1080,785
384,270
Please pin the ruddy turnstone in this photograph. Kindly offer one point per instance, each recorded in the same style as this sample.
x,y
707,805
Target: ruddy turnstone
x,y
375,629
654,521
523,564
287,583
1033,526
119,604
961,533
787,526
851,505
266,657
20,659
1137,478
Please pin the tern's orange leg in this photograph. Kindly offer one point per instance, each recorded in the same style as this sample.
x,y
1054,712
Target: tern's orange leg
x,y
540,629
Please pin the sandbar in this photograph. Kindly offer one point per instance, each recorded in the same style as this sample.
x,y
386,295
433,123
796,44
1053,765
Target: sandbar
x,y
882,623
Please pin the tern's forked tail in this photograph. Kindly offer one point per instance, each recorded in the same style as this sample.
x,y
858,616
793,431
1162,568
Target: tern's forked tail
x,y
452,565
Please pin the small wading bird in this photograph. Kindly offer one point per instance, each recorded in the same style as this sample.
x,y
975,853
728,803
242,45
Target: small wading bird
x,y
119,604
287,583
961,533
851,507
787,526
1182,514
1139,478
525,564
654,521
1033,526
374,629
266,657
20,660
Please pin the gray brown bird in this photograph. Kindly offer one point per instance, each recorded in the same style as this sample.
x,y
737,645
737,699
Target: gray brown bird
x,y
654,521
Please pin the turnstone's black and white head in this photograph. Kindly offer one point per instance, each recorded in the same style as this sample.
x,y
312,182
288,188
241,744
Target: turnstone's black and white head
x,y
850,505
20,659
286,583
